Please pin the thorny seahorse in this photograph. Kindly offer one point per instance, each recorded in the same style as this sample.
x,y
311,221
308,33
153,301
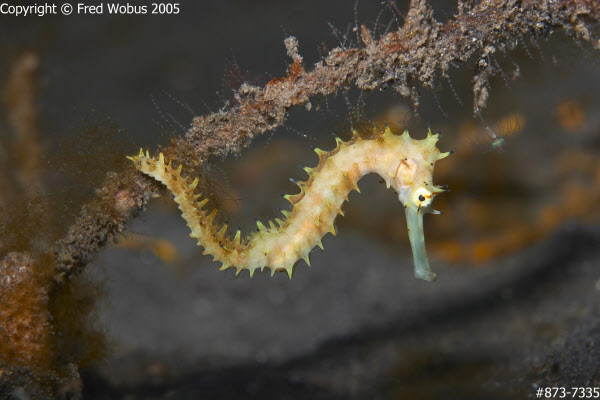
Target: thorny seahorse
x,y
405,164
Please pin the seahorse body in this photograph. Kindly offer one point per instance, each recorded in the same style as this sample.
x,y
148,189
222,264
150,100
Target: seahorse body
x,y
405,164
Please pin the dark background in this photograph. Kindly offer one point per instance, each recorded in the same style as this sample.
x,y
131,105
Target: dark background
x,y
356,323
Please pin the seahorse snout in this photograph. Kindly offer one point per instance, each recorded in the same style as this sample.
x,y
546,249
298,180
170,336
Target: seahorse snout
x,y
414,222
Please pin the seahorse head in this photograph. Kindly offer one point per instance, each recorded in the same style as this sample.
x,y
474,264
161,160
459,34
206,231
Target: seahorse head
x,y
413,181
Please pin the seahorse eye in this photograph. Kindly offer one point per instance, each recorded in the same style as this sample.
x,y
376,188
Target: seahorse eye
x,y
422,197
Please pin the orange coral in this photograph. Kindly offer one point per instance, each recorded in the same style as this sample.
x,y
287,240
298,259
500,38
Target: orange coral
x,y
25,329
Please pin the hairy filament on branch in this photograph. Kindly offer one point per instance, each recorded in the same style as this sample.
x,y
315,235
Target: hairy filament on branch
x,y
405,164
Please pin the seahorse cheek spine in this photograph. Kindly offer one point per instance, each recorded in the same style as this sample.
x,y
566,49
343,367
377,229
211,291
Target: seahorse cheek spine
x,y
405,164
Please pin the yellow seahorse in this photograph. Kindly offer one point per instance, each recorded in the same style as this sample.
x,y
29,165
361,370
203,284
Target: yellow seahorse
x,y
405,164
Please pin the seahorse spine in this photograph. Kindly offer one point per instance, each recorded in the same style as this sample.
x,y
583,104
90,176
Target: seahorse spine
x,y
405,164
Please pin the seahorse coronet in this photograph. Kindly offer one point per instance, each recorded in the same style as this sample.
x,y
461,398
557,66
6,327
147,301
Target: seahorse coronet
x,y
405,164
